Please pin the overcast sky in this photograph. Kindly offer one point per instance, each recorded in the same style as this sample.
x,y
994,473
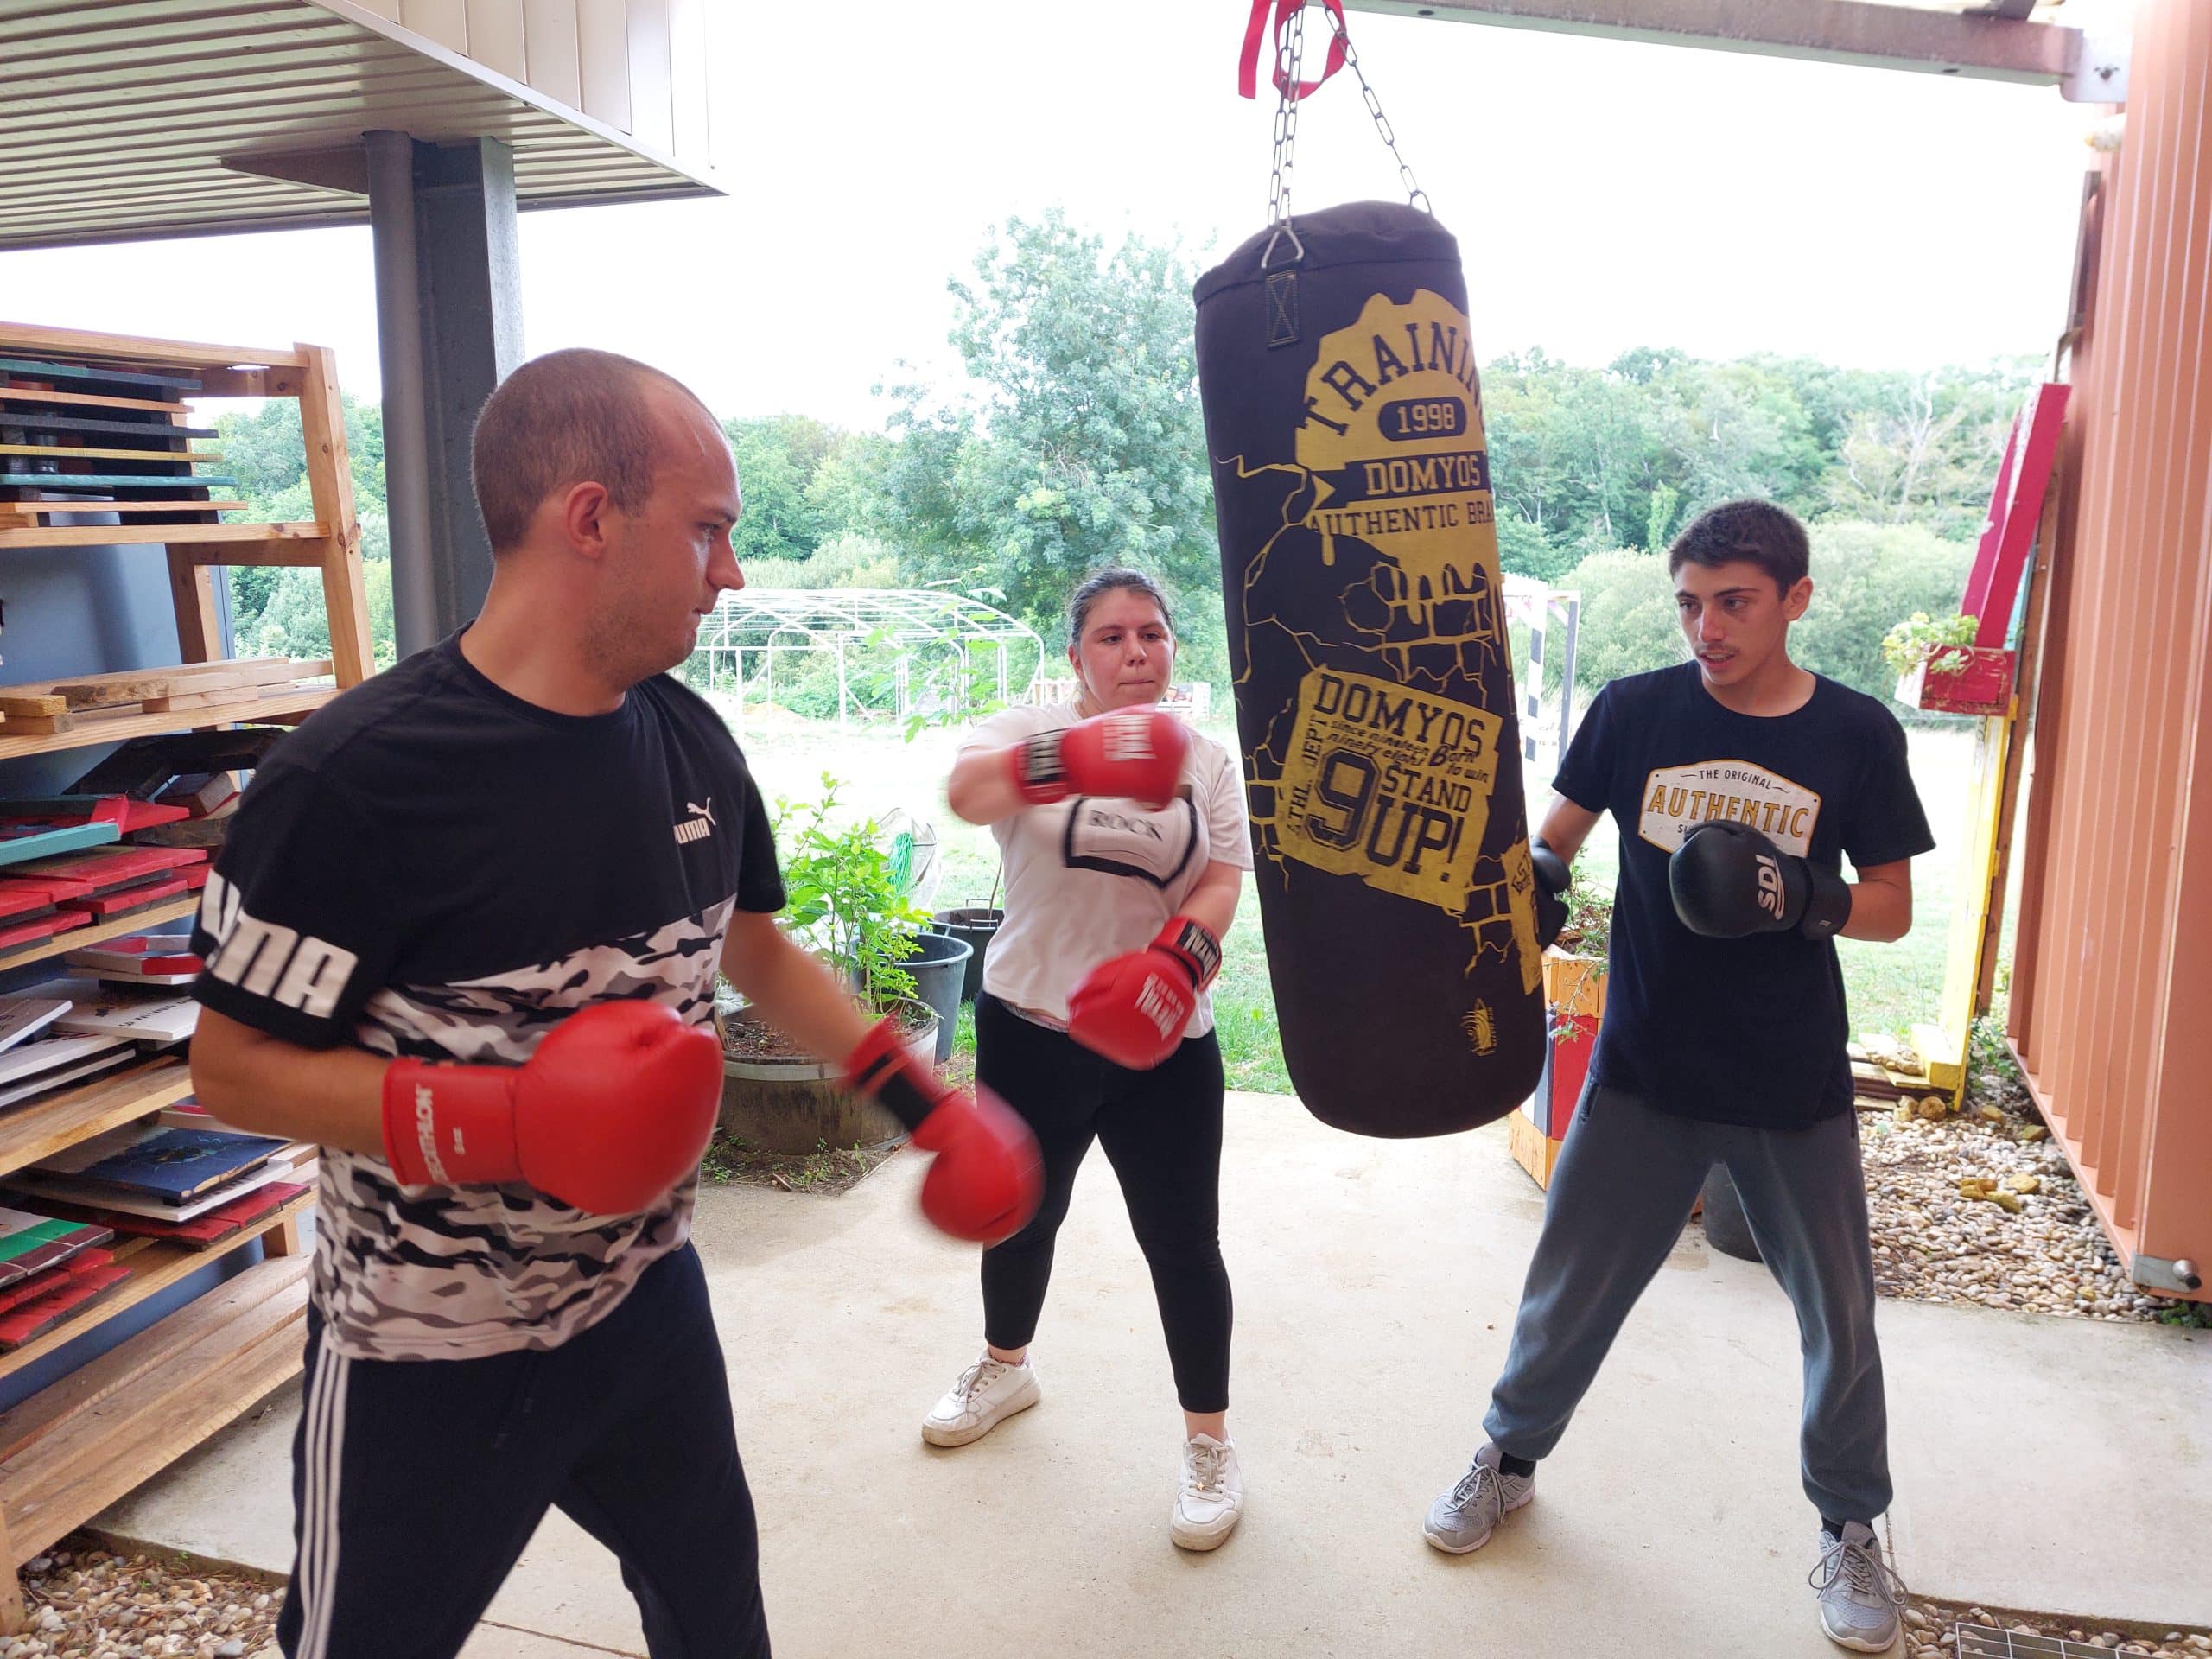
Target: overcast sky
x,y
1604,195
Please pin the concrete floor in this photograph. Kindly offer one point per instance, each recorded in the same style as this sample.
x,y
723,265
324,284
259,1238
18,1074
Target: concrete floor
x,y
2042,1463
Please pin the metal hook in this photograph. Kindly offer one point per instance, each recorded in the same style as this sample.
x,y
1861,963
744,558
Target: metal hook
x,y
1283,230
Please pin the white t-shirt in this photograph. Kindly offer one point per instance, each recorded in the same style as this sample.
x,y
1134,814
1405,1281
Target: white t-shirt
x,y
1095,877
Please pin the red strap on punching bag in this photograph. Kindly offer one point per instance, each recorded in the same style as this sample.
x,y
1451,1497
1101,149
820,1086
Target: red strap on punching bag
x,y
1248,66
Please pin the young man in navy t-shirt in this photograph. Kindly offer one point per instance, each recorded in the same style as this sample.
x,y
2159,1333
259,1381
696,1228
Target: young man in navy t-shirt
x,y
1739,783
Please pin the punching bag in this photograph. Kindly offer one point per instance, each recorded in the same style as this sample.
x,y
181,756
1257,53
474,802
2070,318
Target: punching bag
x,y
1375,690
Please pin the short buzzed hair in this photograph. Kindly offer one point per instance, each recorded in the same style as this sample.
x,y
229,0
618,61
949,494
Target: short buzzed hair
x,y
1750,532
560,420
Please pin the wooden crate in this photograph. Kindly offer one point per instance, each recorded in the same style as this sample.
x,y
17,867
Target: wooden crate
x,y
1574,999
91,405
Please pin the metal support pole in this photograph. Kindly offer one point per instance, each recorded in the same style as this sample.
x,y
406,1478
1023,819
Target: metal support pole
x,y
1567,675
1532,689
399,339
470,291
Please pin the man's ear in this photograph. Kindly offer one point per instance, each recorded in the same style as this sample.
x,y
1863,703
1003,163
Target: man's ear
x,y
584,512
1799,596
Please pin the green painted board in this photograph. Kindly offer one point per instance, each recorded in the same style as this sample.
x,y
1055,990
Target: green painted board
x,y
113,481
45,843
80,371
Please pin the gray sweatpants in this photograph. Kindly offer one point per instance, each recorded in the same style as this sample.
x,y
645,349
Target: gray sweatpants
x,y
1625,1180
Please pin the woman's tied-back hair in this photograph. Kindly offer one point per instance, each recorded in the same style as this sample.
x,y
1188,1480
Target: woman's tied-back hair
x,y
560,420
1751,533
1101,582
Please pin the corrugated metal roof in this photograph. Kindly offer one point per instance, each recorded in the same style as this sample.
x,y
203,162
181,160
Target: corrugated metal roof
x,y
117,116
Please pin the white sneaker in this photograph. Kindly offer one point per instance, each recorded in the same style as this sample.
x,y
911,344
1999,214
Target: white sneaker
x,y
1211,1500
984,1396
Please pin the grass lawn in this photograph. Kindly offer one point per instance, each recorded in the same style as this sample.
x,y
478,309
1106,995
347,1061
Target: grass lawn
x,y
1891,986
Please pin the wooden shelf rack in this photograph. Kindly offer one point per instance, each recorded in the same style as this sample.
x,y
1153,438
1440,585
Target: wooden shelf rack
x,y
104,414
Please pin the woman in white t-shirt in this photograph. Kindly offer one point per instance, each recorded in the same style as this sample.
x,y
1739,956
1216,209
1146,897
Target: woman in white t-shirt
x,y
1124,842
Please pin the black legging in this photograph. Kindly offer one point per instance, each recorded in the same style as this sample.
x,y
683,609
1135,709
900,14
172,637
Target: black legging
x,y
1161,1129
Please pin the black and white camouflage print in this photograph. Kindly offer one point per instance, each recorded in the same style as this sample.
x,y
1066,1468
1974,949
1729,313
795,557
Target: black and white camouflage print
x,y
431,868
453,1273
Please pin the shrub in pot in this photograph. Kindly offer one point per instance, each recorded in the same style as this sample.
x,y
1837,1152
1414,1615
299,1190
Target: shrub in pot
x,y
846,903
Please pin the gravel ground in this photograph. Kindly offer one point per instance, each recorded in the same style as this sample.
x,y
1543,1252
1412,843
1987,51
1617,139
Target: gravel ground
x,y
85,1599
1943,1232
1981,1206
1929,1632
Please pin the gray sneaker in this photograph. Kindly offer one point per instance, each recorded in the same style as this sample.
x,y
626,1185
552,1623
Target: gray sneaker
x,y
1859,1593
1464,1518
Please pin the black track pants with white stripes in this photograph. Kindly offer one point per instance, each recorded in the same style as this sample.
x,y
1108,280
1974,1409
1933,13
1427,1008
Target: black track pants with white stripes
x,y
416,1484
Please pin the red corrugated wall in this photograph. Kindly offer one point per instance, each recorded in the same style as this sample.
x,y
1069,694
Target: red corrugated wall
x,y
2111,1011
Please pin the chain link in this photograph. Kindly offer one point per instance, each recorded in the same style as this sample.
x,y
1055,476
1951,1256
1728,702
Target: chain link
x,y
1290,50
1415,196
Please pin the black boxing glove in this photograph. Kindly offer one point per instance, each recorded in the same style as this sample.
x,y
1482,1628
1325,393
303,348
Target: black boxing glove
x,y
1552,879
1728,881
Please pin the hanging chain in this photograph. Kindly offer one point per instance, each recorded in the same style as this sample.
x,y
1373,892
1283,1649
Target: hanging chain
x,y
1290,51
1415,196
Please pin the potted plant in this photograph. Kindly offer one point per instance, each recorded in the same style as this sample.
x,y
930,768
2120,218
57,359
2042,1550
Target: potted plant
x,y
1940,670
1574,1000
844,902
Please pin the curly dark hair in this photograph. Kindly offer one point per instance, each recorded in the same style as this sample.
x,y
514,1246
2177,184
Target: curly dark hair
x,y
1749,532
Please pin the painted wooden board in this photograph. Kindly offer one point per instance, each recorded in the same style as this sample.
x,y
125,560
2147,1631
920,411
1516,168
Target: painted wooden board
x,y
112,481
29,511
46,421
67,838
13,394
61,452
2015,508
102,375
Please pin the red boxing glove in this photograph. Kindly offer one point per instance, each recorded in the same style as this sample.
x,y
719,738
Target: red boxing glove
x,y
614,1109
1135,754
1134,1009
987,1177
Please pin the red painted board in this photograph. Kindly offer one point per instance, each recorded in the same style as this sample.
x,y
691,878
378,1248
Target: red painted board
x,y
2015,508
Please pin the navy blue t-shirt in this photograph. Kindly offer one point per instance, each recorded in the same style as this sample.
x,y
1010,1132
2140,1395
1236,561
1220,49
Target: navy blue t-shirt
x,y
1748,1031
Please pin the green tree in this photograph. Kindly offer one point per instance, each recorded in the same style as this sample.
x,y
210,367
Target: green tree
x,y
264,451
1627,624
277,609
1864,578
1078,441
294,621
846,489
846,561
777,460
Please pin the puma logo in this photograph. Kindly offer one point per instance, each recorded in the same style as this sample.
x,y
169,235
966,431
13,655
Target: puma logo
x,y
699,825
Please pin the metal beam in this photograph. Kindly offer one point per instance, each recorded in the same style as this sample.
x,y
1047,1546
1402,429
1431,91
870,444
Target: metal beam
x,y
1979,48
